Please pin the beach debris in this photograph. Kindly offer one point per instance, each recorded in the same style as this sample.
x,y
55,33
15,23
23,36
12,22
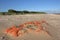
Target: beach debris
x,y
35,26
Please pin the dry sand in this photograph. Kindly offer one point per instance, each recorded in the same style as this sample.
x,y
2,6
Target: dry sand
x,y
53,28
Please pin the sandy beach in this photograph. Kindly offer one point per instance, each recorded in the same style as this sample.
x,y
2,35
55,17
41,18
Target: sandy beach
x,y
53,28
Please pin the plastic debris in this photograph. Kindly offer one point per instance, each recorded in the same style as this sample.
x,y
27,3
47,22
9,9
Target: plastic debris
x,y
24,28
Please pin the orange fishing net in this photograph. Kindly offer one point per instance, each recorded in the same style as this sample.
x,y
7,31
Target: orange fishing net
x,y
24,28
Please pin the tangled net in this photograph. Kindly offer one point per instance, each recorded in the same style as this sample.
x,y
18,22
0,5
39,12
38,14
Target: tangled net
x,y
35,26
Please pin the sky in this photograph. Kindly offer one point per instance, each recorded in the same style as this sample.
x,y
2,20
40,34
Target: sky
x,y
31,5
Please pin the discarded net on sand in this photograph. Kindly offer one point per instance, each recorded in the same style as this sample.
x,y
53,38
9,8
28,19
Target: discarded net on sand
x,y
35,26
